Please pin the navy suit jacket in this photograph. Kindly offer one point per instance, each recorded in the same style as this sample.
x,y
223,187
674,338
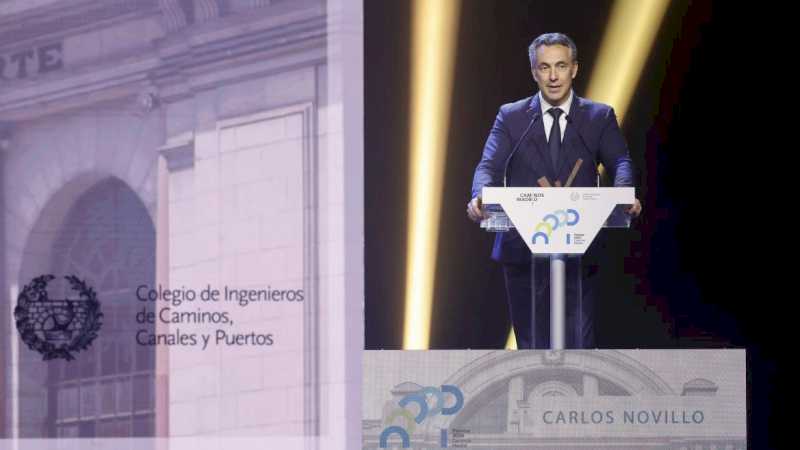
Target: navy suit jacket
x,y
592,134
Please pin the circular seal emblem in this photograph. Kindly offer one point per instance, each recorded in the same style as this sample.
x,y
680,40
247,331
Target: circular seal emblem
x,y
57,327
574,196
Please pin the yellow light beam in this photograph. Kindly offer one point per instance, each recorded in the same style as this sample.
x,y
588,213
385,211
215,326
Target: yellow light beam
x,y
511,342
628,38
433,51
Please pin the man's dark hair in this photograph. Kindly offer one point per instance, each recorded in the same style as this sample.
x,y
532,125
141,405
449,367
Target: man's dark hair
x,y
552,39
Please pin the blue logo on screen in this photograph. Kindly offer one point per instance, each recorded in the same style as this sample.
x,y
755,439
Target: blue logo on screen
x,y
420,398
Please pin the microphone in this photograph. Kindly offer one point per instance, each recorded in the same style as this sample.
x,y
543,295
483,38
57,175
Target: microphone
x,y
594,160
516,147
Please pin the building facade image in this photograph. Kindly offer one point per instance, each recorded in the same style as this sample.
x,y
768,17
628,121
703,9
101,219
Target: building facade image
x,y
182,145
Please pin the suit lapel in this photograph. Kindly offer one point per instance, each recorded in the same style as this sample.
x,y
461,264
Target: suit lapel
x,y
539,156
571,144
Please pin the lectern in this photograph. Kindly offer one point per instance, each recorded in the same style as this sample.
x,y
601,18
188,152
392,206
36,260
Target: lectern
x,y
556,222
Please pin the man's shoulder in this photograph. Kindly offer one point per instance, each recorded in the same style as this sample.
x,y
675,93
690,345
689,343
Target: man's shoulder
x,y
593,109
516,106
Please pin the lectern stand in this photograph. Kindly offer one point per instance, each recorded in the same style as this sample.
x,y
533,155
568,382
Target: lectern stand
x,y
556,223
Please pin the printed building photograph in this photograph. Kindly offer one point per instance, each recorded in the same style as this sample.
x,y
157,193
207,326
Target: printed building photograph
x,y
180,145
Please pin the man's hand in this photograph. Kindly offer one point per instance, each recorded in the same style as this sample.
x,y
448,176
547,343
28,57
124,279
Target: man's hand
x,y
475,210
635,209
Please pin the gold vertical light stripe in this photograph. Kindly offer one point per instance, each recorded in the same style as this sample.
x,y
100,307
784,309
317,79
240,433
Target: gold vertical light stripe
x,y
433,52
629,36
511,342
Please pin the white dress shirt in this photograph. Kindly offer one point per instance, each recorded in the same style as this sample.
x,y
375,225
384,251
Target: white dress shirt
x,y
547,119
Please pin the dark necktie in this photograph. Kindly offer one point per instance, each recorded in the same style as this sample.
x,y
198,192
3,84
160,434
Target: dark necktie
x,y
555,137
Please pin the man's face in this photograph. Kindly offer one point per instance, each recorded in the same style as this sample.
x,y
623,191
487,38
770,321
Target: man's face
x,y
553,72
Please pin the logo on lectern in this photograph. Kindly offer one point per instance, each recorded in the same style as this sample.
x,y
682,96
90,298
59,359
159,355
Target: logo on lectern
x,y
57,327
552,222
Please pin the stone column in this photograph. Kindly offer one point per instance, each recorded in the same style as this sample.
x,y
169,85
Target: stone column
x,y
6,306
177,155
162,279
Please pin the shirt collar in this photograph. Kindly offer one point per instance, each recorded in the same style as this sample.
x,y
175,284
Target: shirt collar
x,y
564,107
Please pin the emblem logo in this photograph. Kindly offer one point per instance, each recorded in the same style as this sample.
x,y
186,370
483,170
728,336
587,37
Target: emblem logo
x,y
57,327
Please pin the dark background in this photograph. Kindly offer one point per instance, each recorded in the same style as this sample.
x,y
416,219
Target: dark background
x,y
693,272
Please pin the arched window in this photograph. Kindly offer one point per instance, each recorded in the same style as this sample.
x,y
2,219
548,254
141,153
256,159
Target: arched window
x,y
107,238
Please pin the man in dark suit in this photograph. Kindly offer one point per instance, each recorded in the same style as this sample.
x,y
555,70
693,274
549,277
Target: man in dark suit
x,y
539,141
